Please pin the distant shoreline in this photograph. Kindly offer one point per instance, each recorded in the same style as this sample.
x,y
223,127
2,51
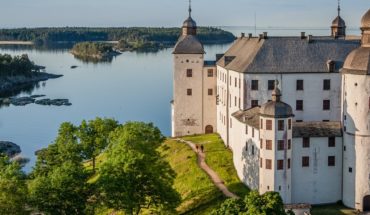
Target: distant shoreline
x,y
13,42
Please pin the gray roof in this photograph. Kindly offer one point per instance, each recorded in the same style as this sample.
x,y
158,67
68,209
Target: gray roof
x,y
338,22
276,110
188,44
317,129
249,116
365,22
286,54
358,62
189,23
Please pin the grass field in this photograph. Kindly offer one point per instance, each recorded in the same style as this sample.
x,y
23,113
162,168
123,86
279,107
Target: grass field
x,y
332,210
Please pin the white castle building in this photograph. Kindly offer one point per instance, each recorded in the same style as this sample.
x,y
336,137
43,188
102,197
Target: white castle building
x,y
295,111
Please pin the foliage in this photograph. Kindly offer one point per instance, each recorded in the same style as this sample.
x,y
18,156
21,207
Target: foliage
x,y
134,175
94,137
92,49
133,34
17,65
254,204
230,206
13,190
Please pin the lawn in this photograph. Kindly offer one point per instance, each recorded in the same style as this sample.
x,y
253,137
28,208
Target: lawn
x,y
199,195
334,209
220,159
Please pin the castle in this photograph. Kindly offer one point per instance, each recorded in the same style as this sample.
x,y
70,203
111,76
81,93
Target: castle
x,y
295,111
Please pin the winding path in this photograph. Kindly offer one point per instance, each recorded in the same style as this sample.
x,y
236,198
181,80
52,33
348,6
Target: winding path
x,y
210,172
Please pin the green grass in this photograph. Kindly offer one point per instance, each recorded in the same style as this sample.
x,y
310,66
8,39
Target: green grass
x,y
334,209
198,193
220,159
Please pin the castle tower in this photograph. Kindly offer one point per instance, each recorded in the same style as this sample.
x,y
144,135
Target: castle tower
x,y
356,123
276,147
194,103
338,27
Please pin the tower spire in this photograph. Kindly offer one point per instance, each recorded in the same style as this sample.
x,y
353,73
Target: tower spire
x,y
338,7
190,8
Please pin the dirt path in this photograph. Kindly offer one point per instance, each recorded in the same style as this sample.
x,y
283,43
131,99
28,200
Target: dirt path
x,y
212,174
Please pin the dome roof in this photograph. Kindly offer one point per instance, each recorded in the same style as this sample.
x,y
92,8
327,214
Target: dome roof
x,y
188,44
189,23
358,61
276,109
338,22
365,22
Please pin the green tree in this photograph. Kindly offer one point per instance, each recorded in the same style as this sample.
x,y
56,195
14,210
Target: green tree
x,y
62,191
134,175
13,190
231,206
94,137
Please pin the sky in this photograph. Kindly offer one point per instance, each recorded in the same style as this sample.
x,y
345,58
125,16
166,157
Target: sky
x,y
171,13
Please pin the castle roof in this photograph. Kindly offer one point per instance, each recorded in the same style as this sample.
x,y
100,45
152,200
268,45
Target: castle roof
x,y
317,129
365,22
188,44
251,117
286,54
338,22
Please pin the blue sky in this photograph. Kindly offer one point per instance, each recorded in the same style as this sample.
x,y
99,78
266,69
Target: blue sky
x,y
106,13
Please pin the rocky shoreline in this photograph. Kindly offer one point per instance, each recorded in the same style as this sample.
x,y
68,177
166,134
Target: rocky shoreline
x,y
8,84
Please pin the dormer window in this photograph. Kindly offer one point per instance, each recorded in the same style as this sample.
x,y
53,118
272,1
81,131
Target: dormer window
x,y
331,65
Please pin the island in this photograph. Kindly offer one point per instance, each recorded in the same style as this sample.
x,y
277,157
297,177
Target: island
x,y
94,51
18,72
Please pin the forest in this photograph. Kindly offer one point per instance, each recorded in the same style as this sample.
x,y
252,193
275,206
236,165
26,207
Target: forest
x,y
17,65
40,36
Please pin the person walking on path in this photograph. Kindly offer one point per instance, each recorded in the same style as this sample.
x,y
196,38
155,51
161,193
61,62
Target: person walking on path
x,y
202,148
196,146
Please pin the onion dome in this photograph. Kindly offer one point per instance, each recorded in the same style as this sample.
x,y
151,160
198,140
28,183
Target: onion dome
x,y
338,26
365,22
276,108
338,22
188,44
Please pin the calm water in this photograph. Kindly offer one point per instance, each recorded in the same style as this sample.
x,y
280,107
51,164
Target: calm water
x,y
133,87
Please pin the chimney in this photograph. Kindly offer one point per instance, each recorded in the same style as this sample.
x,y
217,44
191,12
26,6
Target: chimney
x,y
260,37
303,35
249,35
242,35
309,38
264,35
219,56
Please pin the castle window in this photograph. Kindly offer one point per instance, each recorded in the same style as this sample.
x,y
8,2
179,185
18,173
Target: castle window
x,y
187,61
252,132
280,125
210,92
268,164
235,101
299,85
331,161
268,144
254,103
189,92
344,148
231,123
189,73
246,146
236,82
269,125
210,72
331,141
261,143
289,144
326,105
288,163
280,164
306,142
327,84
289,124
270,84
246,129
252,150
350,169
261,123
254,85
299,105
280,145
305,161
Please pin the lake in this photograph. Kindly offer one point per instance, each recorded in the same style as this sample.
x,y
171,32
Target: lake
x,y
133,87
